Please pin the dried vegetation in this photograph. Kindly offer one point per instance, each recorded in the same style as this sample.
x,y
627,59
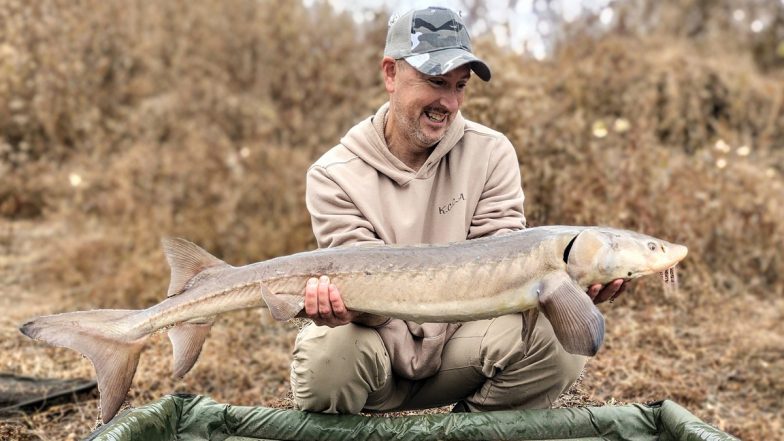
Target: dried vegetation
x,y
121,122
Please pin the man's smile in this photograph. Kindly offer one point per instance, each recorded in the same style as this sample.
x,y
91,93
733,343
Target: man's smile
x,y
435,116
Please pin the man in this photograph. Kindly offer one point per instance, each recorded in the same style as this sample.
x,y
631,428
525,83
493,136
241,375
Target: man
x,y
418,172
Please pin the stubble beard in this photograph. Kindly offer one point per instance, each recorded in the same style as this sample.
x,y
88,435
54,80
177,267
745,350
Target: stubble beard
x,y
413,132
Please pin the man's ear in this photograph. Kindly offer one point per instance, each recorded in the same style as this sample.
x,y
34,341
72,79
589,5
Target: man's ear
x,y
388,71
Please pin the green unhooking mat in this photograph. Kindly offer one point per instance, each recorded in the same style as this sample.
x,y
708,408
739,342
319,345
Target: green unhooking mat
x,y
191,418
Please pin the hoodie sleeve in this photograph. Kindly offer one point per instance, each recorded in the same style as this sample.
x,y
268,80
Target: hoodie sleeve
x,y
336,220
500,207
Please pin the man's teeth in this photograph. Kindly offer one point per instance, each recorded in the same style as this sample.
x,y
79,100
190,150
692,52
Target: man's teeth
x,y
435,116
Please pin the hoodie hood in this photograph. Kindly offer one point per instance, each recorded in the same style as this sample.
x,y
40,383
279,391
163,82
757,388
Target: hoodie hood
x,y
366,140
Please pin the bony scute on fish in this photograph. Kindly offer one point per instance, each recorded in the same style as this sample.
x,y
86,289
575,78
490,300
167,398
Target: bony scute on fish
x,y
548,268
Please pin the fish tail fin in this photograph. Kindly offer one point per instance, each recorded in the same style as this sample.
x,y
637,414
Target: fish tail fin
x,y
101,336
187,260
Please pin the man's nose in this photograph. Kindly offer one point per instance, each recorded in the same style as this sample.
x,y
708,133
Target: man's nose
x,y
451,100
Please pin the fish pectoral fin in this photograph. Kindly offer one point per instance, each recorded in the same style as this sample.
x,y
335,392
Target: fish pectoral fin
x,y
577,322
186,259
282,306
187,339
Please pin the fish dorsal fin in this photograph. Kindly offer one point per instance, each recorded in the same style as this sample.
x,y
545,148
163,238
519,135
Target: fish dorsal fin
x,y
186,260
576,321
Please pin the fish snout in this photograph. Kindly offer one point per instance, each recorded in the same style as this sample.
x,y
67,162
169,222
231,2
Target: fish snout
x,y
678,252
664,255
672,254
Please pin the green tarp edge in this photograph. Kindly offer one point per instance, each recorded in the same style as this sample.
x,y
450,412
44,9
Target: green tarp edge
x,y
158,420
192,418
682,425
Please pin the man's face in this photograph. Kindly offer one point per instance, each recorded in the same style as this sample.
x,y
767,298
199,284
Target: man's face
x,y
424,106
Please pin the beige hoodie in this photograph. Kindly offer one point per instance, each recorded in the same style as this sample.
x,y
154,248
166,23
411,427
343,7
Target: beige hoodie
x,y
359,193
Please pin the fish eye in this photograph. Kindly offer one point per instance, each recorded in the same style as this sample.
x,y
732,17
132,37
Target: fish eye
x,y
652,246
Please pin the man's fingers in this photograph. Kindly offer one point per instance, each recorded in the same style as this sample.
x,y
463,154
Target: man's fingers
x,y
324,305
311,297
593,291
620,290
609,291
338,308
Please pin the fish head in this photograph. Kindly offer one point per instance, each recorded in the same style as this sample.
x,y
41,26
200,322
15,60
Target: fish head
x,y
601,255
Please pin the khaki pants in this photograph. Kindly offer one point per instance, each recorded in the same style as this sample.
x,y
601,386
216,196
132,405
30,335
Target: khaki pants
x,y
486,364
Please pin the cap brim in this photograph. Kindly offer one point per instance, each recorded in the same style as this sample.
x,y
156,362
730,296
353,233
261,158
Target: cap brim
x,y
445,60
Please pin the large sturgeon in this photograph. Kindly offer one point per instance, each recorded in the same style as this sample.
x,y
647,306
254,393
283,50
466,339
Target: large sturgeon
x,y
545,267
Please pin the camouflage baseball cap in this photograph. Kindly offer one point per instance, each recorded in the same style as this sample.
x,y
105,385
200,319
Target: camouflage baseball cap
x,y
433,40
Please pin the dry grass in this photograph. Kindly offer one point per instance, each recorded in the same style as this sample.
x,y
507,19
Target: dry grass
x,y
126,121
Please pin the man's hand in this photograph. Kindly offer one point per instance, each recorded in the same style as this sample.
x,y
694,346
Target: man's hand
x,y
325,307
599,293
